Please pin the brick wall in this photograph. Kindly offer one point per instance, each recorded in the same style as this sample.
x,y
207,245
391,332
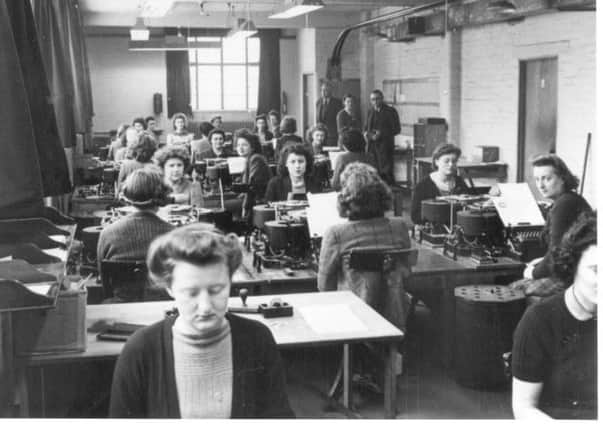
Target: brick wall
x,y
478,68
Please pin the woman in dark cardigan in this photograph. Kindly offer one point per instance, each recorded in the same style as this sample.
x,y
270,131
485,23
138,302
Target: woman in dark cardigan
x,y
200,362
556,182
294,175
443,181
355,151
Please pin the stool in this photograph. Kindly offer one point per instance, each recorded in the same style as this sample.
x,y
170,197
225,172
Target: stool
x,y
486,316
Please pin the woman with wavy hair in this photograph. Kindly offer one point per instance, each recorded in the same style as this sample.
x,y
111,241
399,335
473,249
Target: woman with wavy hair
x,y
141,152
174,160
180,135
201,361
554,360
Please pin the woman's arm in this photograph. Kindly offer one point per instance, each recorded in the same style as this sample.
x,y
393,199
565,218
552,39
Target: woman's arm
x,y
525,397
127,391
330,259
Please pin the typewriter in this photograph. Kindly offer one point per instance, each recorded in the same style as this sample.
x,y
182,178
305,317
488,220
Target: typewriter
x,y
524,243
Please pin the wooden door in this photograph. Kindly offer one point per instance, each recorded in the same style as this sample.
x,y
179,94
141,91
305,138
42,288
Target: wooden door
x,y
537,131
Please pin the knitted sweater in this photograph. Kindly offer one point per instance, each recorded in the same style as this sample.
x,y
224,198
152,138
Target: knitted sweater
x,y
130,237
203,371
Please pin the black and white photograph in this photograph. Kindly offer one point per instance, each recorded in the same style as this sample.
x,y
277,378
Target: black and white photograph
x,y
298,210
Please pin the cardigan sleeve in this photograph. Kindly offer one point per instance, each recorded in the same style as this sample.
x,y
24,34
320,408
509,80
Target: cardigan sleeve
x,y
272,400
422,191
127,390
272,190
328,264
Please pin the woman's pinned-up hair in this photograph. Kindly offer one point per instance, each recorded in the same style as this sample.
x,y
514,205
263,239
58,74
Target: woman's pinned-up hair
x,y
570,181
199,244
363,195
442,150
144,188
172,152
566,256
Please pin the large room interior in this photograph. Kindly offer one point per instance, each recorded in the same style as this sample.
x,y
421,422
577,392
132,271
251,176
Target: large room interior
x,y
423,327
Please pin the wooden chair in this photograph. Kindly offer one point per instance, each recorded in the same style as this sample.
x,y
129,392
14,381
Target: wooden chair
x,y
377,275
124,281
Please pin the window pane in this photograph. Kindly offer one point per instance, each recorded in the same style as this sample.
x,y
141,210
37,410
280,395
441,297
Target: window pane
x,y
191,56
209,87
208,55
193,78
253,49
208,39
234,50
253,73
234,87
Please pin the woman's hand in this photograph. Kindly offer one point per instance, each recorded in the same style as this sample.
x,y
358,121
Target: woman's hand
x,y
525,396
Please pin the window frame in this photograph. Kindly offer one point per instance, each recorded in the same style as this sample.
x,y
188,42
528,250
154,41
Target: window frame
x,y
195,64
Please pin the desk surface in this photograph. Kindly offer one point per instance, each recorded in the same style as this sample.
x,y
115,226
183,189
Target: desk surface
x,y
362,323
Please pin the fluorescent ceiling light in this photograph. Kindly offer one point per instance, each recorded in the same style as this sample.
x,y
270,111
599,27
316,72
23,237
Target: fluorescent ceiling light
x,y
502,7
245,28
139,31
300,7
155,8
170,43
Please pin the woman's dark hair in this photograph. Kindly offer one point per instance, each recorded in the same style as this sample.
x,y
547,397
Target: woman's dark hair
x,y
251,138
275,114
363,195
570,181
179,116
148,119
353,140
205,128
143,150
442,150
300,150
141,121
145,188
216,132
288,124
320,127
255,122
172,152
346,96
566,256
199,244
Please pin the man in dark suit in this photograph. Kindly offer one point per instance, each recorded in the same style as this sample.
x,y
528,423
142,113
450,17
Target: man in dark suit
x,y
382,125
327,108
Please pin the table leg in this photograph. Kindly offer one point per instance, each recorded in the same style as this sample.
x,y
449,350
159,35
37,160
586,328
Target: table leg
x,y
389,382
347,375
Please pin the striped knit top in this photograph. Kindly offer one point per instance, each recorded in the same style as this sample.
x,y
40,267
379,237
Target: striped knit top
x,y
203,371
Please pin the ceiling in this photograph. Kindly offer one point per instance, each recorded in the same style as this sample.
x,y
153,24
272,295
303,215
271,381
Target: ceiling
x,y
186,13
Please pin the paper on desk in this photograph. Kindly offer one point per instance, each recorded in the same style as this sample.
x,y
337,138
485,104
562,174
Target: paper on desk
x,y
59,238
57,252
6,258
332,319
236,165
516,205
322,213
40,289
333,155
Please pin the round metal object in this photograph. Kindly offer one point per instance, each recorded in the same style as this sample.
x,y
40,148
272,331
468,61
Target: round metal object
x,y
478,223
262,214
438,211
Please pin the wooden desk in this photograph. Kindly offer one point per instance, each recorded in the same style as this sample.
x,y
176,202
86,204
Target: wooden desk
x,y
289,332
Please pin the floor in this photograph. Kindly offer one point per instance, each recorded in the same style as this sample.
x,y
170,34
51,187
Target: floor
x,y
425,389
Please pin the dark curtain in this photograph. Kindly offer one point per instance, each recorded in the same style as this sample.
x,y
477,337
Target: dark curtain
x,y
178,83
33,163
269,89
61,38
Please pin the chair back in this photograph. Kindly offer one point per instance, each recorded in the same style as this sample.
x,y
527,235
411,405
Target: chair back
x,y
124,281
377,275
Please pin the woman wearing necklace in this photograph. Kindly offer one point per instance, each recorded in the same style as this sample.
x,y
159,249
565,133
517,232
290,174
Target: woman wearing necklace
x,y
443,181
555,343
294,178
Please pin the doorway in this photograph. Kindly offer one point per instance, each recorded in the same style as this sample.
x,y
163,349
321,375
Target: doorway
x,y
537,130
309,88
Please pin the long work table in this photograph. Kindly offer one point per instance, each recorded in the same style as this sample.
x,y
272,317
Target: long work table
x,y
330,318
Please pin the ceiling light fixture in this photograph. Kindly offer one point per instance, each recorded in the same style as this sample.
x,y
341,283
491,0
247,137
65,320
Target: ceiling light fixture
x,y
155,8
245,27
139,32
202,11
297,8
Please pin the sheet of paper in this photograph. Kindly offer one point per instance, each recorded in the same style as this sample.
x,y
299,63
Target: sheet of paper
x,y
59,238
40,289
6,258
236,165
57,252
333,155
516,205
332,319
322,213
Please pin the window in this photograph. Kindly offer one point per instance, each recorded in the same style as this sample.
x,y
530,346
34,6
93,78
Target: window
x,y
225,75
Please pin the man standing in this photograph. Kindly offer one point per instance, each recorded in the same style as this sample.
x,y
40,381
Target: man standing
x,y
327,108
382,125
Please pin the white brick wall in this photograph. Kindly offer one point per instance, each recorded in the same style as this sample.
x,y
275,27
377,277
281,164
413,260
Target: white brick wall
x,y
489,62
